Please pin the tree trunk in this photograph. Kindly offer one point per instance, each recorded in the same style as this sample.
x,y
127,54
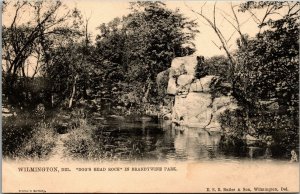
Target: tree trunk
x,y
73,91
148,87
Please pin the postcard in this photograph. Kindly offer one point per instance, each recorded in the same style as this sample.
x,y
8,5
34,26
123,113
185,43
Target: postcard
x,y
150,96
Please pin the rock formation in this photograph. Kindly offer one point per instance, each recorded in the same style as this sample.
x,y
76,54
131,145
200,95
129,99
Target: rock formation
x,y
195,101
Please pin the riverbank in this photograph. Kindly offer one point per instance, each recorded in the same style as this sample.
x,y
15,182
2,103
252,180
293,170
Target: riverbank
x,y
73,136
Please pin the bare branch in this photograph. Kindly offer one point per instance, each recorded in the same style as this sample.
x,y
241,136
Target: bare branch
x,y
236,19
235,27
230,36
219,47
268,12
61,20
214,13
203,6
291,8
33,35
246,21
13,24
291,14
254,17
218,33
225,13
36,70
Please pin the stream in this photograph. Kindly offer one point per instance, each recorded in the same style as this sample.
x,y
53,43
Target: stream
x,y
150,140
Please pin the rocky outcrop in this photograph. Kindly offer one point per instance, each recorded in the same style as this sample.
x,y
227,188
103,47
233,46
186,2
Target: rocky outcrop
x,y
172,88
195,104
188,62
192,108
202,85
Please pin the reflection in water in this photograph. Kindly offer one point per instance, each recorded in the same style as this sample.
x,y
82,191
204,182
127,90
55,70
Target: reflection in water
x,y
193,144
163,141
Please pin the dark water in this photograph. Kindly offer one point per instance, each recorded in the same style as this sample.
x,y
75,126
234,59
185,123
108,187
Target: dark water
x,y
163,141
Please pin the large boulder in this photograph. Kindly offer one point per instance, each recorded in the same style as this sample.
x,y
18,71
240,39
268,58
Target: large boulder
x,y
196,86
219,106
175,72
198,109
181,73
194,105
189,63
172,88
203,84
185,79
180,85
194,108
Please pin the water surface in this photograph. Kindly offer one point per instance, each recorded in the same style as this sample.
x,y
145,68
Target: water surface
x,y
146,139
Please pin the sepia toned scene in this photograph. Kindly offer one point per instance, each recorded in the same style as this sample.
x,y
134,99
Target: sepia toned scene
x,y
109,81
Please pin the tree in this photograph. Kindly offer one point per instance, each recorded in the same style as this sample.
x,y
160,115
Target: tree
x,y
69,67
157,35
137,47
269,71
270,60
28,38
282,10
214,25
265,68
233,20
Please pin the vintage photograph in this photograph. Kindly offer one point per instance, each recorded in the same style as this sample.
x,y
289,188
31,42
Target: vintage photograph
x,y
150,82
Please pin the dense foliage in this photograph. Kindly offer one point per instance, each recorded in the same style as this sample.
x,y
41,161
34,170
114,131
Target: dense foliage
x,y
270,64
267,75
131,51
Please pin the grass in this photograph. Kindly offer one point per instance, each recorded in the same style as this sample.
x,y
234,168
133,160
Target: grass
x,y
40,144
80,144
29,136
26,136
90,142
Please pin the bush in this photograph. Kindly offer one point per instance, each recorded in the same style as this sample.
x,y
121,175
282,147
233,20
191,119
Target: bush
x,y
216,65
16,131
80,143
92,143
201,69
233,122
40,144
26,136
281,127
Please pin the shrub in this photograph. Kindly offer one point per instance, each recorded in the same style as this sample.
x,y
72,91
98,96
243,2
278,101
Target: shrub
x,y
92,143
40,144
80,143
26,136
233,122
282,127
15,131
